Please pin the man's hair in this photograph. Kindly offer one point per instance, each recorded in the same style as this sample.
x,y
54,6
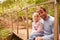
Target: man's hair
x,y
43,8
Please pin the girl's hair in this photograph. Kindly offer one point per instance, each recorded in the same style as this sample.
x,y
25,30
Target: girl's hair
x,y
35,15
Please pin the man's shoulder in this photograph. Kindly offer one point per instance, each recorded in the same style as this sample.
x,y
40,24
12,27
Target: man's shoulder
x,y
51,18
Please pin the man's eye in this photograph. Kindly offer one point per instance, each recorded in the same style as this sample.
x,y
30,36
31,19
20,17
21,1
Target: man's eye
x,y
41,12
37,16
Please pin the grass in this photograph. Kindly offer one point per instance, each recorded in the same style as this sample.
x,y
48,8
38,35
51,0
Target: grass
x,y
4,33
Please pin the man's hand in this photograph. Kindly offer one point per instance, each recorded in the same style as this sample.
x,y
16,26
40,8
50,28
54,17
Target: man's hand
x,y
38,38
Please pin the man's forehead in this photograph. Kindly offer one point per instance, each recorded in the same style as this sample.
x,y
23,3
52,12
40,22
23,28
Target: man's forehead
x,y
39,10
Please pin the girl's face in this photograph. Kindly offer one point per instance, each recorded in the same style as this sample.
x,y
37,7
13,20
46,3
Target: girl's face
x,y
36,18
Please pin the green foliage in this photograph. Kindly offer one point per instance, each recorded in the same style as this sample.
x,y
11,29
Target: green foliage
x,y
29,1
23,3
22,13
0,11
39,1
31,11
4,33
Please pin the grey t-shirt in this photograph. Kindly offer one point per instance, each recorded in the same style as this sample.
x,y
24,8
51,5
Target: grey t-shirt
x,y
49,29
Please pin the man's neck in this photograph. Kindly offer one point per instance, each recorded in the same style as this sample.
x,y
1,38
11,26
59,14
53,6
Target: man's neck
x,y
46,17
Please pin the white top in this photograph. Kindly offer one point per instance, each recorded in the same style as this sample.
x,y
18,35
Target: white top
x,y
37,27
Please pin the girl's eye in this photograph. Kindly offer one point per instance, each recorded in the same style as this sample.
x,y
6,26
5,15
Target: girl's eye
x,y
37,16
41,12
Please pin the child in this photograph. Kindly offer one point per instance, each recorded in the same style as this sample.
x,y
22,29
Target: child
x,y
37,27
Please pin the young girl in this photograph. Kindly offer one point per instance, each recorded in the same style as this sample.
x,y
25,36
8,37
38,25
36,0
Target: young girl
x,y
37,27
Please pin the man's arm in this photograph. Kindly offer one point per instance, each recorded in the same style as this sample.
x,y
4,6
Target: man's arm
x,y
47,37
51,36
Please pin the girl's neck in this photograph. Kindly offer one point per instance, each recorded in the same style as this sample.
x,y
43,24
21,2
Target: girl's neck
x,y
36,21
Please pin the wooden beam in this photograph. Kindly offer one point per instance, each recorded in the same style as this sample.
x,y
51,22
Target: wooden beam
x,y
11,24
58,1
17,23
26,11
56,36
32,5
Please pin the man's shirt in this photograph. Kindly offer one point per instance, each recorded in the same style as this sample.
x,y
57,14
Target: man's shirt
x,y
49,28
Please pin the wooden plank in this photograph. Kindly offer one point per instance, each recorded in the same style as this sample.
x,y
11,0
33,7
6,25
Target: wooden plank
x,y
56,36
59,36
12,24
58,1
22,33
26,11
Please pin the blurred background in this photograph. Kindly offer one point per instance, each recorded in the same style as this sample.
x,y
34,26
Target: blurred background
x,y
13,16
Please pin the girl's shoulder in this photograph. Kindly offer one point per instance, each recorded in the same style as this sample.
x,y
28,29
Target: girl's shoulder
x,y
41,21
33,23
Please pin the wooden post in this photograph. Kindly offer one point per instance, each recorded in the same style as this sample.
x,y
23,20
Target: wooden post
x,y
12,23
56,37
17,23
27,23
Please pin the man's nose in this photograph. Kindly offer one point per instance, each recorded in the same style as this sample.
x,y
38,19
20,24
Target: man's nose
x,y
41,14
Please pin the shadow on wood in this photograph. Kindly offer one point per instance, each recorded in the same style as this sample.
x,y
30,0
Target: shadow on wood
x,y
13,37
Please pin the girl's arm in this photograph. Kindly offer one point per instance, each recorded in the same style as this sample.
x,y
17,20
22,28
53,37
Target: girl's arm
x,y
40,27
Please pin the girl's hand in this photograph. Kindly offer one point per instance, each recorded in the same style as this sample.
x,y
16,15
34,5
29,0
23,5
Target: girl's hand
x,y
35,28
38,38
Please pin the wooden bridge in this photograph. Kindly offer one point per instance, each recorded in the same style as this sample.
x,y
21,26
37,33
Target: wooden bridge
x,y
25,32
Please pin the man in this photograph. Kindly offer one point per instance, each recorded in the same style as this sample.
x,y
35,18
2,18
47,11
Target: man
x,y
48,25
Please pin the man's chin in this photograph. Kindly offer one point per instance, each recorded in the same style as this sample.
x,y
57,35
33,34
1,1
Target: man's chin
x,y
42,17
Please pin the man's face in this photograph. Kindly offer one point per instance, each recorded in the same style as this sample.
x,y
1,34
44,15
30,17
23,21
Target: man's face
x,y
42,13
